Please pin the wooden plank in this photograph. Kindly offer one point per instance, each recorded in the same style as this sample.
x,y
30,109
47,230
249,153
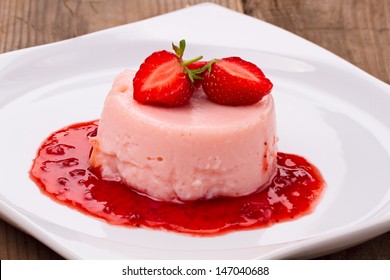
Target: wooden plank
x,y
15,244
30,23
356,30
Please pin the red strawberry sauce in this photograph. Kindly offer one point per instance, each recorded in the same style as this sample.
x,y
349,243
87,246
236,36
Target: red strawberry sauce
x,y
62,171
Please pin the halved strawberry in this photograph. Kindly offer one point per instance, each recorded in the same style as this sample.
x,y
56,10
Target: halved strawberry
x,y
164,78
235,82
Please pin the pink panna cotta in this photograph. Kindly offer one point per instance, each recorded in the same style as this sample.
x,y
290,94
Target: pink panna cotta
x,y
201,150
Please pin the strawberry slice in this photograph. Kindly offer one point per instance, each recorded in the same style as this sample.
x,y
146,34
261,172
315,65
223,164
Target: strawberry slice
x,y
235,82
164,79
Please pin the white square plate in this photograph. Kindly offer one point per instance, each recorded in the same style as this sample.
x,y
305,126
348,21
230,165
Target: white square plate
x,y
329,111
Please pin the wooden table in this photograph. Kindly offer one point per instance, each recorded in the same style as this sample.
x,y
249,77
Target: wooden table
x,y
357,30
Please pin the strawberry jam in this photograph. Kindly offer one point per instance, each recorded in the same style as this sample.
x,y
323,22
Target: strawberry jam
x,y
62,171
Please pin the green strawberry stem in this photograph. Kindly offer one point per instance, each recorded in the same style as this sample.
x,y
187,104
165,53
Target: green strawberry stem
x,y
192,74
185,63
179,50
206,67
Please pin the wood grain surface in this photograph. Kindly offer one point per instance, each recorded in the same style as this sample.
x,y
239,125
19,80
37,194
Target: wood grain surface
x,y
356,30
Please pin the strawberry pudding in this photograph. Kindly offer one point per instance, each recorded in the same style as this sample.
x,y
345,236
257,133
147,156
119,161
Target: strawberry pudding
x,y
200,150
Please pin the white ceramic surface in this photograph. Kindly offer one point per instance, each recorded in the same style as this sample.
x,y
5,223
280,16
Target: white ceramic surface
x,y
329,111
